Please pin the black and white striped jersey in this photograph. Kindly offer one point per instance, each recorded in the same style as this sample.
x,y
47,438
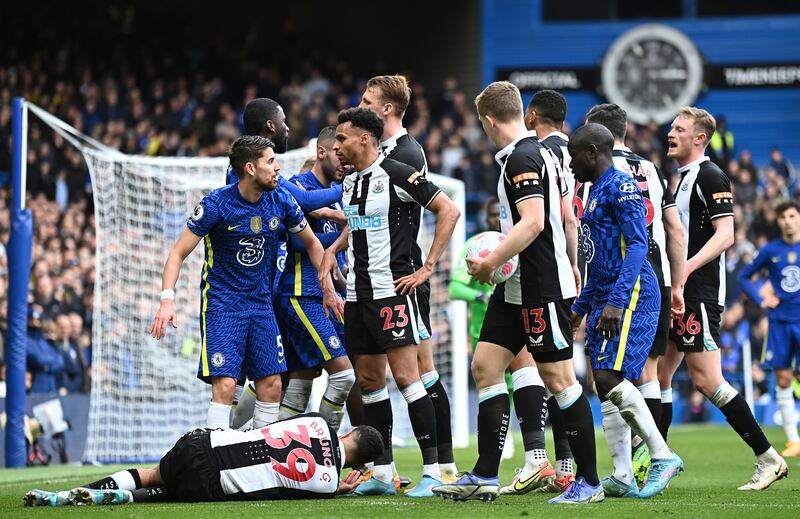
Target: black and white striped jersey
x,y
704,193
557,143
295,458
656,198
379,203
528,170
404,148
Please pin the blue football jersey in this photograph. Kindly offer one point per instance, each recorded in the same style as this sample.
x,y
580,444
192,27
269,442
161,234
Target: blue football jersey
x,y
238,236
615,243
299,276
781,261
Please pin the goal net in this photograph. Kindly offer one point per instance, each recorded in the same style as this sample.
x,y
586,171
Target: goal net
x,y
145,393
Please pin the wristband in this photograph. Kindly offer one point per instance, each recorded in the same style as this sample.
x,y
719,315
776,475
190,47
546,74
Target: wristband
x,y
168,294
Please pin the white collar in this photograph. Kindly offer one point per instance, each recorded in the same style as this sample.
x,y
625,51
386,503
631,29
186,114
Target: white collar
x,y
687,167
393,139
500,155
557,134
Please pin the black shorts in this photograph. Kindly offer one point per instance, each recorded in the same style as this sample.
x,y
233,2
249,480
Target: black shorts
x,y
189,471
546,329
659,346
372,327
698,330
423,293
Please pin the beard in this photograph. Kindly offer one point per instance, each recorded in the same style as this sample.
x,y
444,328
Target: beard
x,y
281,142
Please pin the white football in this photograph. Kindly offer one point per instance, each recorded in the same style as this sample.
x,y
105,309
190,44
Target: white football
x,y
483,245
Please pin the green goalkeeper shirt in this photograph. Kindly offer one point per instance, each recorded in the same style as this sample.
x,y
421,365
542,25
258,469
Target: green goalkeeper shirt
x,y
463,287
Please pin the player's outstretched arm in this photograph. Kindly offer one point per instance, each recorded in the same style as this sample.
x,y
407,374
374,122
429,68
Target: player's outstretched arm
x,y
349,483
313,199
676,256
330,299
169,278
530,225
447,214
719,242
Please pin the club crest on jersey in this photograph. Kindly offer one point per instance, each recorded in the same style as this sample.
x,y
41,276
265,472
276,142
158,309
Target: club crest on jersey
x,y
628,187
791,257
378,187
198,212
593,205
218,360
334,343
685,187
274,222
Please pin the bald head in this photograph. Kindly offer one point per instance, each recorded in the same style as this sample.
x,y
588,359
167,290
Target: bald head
x,y
590,148
592,133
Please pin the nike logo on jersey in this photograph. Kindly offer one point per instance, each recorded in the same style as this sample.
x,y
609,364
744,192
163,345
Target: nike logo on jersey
x,y
604,357
232,227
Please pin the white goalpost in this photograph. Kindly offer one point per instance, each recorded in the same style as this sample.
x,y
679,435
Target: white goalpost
x,y
145,393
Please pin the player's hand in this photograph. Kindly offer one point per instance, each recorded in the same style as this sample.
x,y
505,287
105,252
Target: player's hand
x,y
329,267
349,483
166,314
576,273
770,301
326,213
576,321
688,268
407,284
608,324
678,307
331,302
480,269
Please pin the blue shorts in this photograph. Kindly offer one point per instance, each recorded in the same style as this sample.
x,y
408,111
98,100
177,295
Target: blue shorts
x,y
628,351
237,343
310,337
782,350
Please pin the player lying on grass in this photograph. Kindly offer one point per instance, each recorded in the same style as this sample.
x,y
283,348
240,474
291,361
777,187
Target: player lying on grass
x,y
298,458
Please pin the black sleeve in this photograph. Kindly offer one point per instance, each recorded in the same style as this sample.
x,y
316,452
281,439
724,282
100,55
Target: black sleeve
x,y
715,188
524,170
410,185
667,200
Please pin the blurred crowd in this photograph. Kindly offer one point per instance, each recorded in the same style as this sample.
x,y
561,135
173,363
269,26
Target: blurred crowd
x,y
162,106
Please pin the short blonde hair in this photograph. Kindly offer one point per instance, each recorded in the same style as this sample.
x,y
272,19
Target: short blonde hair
x,y
703,121
394,89
501,100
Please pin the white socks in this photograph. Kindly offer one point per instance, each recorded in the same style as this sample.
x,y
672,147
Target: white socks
x,y
569,396
631,405
265,413
124,480
219,416
618,439
564,467
295,398
243,412
785,400
332,406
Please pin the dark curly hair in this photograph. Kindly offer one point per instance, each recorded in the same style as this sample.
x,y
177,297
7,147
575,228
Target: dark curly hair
x,y
369,444
363,119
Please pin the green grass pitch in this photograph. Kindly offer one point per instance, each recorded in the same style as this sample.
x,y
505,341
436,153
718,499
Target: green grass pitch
x,y
716,463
